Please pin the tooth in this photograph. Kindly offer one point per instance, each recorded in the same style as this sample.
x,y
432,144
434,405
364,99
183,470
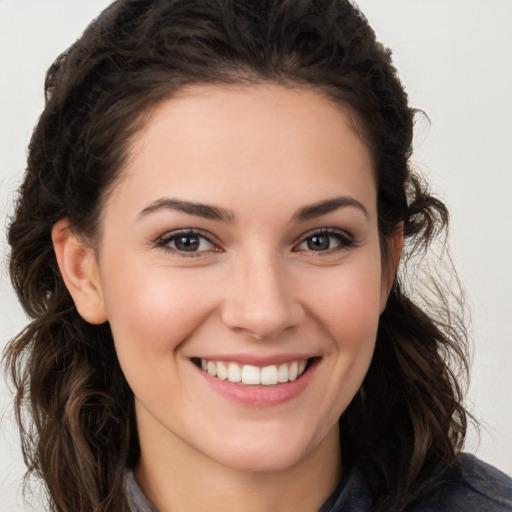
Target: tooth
x,y
222,371
212,369
282,374
250,374
253,375
269,375
292,371
234,373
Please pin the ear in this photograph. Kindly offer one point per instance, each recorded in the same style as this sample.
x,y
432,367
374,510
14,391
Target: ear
x,y
395,244
79,269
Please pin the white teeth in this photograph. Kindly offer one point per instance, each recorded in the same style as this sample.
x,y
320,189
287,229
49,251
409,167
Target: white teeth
x,y
248,374
269,375
293,371
211,367
282,374
222,371
234,373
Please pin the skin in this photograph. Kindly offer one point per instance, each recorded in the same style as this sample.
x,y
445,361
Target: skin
x,y
256,289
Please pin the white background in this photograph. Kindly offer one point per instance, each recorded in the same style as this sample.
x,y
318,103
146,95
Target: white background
x,y
454,58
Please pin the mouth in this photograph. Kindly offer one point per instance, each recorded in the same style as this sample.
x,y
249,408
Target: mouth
x,y
251,375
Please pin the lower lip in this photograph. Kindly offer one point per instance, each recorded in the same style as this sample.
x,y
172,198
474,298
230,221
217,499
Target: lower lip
x,y
260,396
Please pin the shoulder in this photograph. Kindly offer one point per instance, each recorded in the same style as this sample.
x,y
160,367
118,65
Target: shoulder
x,y
477,487
474,487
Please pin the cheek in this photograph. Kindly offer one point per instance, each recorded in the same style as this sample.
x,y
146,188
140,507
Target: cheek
x,y
349,307
152,311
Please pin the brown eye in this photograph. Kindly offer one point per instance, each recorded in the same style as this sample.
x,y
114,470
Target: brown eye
x,y
328,240
186,242
318,243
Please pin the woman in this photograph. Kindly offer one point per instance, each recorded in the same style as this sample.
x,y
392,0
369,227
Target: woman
x,y
207,238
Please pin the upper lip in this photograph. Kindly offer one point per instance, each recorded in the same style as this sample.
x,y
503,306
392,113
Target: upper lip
x,y
257,360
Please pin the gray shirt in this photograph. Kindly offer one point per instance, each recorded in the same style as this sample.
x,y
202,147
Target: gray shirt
x,y
481,488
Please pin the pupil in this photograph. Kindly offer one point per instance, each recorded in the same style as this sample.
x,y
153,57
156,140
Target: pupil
x,y
318,243
187,243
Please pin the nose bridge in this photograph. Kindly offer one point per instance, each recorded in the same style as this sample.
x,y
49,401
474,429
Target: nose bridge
x,y
260,297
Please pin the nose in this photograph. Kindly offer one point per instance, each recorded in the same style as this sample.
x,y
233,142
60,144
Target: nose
x,y
260,298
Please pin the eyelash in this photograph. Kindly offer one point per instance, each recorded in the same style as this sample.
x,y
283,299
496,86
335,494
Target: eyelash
x,y
164,241
344,241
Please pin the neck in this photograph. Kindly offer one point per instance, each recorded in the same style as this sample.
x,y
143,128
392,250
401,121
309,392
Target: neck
x,y
180,479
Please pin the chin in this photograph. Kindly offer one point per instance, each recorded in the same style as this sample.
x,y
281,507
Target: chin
x,y
271,453
269,460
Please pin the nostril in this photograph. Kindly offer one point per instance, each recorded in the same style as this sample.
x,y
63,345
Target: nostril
x,y
261,325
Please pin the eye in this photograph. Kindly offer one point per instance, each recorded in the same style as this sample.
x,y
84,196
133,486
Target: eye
x,y
326,240
186,242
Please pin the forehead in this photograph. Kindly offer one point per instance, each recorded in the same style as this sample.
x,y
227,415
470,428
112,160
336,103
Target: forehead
x,y
236,142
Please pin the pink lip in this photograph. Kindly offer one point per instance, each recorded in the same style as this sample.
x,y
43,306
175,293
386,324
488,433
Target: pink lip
x,y
256,360
260,396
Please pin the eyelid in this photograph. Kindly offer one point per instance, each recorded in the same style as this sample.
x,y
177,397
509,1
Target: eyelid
x,y
162,241
345,238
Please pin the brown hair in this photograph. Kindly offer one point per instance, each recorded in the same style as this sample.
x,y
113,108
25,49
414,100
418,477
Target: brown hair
x,y
74,407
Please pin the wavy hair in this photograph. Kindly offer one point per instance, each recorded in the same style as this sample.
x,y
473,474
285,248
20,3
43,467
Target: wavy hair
x,y
74,407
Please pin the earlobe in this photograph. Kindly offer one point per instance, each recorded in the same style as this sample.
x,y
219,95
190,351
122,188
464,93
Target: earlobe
x,y
395,245
78,267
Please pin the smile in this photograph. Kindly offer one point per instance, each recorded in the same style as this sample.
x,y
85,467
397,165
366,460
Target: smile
x,y
250,375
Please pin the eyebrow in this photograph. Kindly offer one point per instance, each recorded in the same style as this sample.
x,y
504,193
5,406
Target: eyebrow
x,y
216,213
200,210
328,206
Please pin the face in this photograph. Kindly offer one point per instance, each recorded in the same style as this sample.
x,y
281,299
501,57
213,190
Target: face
x,y
241,243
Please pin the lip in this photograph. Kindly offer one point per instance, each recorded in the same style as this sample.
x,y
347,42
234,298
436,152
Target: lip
x,y
259,396
256,360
